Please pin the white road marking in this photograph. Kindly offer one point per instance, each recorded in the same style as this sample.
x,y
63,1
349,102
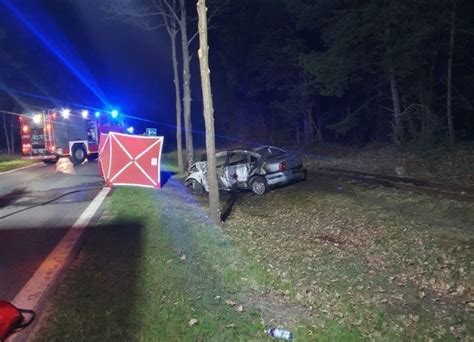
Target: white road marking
x,y
44,277
21,168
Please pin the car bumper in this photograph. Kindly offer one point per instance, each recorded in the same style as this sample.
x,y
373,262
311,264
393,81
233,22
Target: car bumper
x,y
285,177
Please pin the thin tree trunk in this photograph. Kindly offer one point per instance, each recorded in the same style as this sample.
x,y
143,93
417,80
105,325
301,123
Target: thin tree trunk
x,y
177,89
186,86
12,136
393,81
396,108
449,105
214,204
6,133
307,127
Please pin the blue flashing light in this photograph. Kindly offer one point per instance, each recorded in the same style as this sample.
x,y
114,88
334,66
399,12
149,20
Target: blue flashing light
x,y
97,114
114,113
130,129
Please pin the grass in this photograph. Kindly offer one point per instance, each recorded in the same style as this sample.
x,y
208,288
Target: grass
x,y
393,265
130,281
9,162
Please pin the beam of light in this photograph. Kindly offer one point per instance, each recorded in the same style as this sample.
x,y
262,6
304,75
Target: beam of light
x,y
114,113
85,113
57,102
132,117
62,53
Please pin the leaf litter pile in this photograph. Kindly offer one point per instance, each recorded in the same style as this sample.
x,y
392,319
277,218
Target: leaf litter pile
x,y
378,261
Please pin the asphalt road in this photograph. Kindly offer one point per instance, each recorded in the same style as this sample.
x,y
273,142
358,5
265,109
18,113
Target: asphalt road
x,y
37,207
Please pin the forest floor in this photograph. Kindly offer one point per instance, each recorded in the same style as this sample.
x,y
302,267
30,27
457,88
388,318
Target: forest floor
x,y
329,260
8,162
438,165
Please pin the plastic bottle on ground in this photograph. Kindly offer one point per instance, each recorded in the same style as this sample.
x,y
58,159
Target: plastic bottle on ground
x,y
281,334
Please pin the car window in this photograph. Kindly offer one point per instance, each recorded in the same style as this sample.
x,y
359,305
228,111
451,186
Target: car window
x,y
276,151
238,158
268,151
220,160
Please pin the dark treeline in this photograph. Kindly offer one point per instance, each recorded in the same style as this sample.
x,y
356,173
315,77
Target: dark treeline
x,y
353,72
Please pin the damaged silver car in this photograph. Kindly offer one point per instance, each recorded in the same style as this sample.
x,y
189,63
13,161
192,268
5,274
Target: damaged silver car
x,y
258,169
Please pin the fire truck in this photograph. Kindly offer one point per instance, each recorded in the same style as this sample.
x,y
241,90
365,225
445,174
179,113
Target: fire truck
x,y
53,134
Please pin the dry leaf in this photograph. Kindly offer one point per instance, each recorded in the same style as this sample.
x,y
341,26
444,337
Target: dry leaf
x,y
192,321
230,302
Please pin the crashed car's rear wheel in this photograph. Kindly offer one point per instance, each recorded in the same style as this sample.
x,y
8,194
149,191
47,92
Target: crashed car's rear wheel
x,y
196,188
259,186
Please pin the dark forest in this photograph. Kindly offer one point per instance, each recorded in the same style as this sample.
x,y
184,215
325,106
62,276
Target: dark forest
x,y
351,72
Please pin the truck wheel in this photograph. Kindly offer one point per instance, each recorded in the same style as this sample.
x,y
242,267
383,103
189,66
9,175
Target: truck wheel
x,y
78,154
259,186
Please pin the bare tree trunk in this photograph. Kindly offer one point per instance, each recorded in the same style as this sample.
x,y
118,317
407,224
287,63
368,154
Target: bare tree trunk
x,y
188,130
449,105
177,89
307,127
214,204
393,81
12,135
396,108
6,134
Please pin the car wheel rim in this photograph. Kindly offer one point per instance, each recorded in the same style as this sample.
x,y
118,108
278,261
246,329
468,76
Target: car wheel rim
x,y
258,187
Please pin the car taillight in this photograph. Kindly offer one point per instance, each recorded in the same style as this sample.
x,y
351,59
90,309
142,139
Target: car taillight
x,y
282,167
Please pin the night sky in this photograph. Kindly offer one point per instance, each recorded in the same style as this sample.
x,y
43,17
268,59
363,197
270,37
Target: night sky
x,y
129,66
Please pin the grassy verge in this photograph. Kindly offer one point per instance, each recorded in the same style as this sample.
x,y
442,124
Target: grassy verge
x,y
144,276
8,162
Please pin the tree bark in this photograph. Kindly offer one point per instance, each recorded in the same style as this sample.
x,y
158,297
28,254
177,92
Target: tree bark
x,y
188,130
177,89
214,204
6,133
449,105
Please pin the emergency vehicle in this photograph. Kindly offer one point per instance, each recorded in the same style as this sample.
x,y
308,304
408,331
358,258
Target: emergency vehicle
x,y
53,134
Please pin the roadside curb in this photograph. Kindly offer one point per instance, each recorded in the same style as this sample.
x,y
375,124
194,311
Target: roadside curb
x,y
36,291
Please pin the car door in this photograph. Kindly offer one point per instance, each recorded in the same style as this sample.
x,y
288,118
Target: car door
x,y
221,162
237,169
